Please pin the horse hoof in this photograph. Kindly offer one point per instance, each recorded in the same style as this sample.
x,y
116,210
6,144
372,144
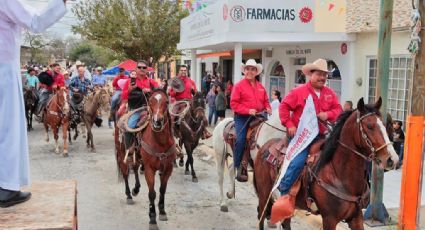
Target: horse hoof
x,y
186,172
47,139
229,195
130,201
134,193
224,208
163,217
270,225
181,163
93,150
195,180
153,227
57,151
65,154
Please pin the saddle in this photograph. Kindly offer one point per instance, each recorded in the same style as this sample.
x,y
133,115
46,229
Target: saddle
x,y
275,156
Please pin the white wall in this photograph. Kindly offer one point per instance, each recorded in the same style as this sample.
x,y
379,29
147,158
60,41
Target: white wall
x,y
330,51
367,46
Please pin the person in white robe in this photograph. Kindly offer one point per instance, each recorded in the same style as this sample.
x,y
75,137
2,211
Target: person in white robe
x,y
14,162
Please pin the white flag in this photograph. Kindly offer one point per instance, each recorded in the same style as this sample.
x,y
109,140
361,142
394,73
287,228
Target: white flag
x,y
307,130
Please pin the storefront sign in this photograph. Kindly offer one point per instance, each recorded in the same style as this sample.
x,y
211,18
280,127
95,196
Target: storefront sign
x,y
298,51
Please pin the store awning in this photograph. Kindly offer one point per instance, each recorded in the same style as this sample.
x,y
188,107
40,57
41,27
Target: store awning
x,y
228,53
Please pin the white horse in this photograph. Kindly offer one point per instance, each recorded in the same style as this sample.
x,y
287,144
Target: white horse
x,y
272,128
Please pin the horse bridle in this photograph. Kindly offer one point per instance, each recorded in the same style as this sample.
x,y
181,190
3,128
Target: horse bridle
x,y
372,156
165,117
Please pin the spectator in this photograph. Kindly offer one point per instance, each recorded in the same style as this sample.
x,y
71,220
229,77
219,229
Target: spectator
x,y
211,105
229,88
220,104
398,141
348,105
276,99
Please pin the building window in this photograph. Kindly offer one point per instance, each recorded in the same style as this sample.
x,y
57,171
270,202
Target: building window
x,y
277,79
398,85
334,78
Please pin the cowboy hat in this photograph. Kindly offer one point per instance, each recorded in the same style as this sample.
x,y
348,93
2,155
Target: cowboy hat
x,y
177,84
77,63
252,62
319,64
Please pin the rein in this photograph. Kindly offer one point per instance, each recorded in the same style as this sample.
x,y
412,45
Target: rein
x,y
145,146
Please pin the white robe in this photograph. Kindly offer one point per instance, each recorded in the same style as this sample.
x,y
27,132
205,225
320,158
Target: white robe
x,y
13,133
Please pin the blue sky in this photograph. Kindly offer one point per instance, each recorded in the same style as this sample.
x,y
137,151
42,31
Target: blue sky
x,y
61,29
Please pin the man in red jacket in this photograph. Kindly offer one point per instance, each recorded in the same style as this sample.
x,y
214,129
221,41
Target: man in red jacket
x,y
187,94
117,91
290,111
249,98
46,91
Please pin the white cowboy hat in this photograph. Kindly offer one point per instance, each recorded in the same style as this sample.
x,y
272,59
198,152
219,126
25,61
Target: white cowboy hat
x,y
77,63
252,62
319,64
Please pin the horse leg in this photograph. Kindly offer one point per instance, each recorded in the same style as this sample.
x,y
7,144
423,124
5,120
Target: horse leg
x,y
64,137
286,224
150,180
136,188
30,122
357,222
162,189
56,137
46,128
231,173
127,187
83,129
220,172
76,133
90,138
329,223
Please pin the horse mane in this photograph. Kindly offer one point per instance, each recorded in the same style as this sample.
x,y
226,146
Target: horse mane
x,y
332,141
198,100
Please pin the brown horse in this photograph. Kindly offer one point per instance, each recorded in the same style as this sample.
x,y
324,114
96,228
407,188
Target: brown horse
x,y
337,182
97,99
158,151
57,115
191,129
30,100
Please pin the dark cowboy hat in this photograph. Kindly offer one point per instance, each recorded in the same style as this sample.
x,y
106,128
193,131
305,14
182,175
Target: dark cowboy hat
x,y
45,78
176,84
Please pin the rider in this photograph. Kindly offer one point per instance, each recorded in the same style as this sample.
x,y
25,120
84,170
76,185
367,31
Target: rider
x,y
187,94
99,80
45,91
144,85
290,110
249,98
79,85
117,94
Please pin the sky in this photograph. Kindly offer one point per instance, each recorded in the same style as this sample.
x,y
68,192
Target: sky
x,y
61,29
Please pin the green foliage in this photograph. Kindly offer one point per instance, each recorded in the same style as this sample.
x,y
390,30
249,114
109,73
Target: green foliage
x,y
91,54
139,29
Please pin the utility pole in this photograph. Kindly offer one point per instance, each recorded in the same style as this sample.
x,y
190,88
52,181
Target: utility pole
x,y
376,214
411,183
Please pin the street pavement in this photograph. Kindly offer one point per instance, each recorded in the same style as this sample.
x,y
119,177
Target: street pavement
x,y
101,199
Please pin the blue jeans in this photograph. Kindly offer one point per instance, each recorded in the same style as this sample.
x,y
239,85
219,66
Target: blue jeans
x,y
132,121
401,155
115,99
294,170
241,127
211,113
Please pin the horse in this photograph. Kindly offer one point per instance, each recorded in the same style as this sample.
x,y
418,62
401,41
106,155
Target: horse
x,y
191,129
158,152
98,99
272,128
30,100
56,115
334,180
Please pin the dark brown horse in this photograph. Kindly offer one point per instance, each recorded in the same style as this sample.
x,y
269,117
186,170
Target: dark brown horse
x,y
57,115
191,129
125,165
337,182
158,152
30,100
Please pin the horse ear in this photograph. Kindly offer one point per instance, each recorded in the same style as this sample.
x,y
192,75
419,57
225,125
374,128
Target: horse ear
x,y
360,105
378,103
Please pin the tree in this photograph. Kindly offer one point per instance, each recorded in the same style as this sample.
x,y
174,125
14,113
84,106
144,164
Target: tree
x,y
37,43
91,54
139,29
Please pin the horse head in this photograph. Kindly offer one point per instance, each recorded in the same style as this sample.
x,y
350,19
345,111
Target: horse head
x,y
62,100
198,106
374,136
103,99
158,109
29,97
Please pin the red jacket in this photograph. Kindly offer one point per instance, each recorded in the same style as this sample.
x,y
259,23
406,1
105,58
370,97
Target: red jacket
x,y
186,94
58,81
115,81
245,97
295,101
140,83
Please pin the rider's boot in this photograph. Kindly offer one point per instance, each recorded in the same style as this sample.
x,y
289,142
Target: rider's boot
x,y
284,207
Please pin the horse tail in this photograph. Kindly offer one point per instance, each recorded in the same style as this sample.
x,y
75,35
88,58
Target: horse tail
x,y
117,153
